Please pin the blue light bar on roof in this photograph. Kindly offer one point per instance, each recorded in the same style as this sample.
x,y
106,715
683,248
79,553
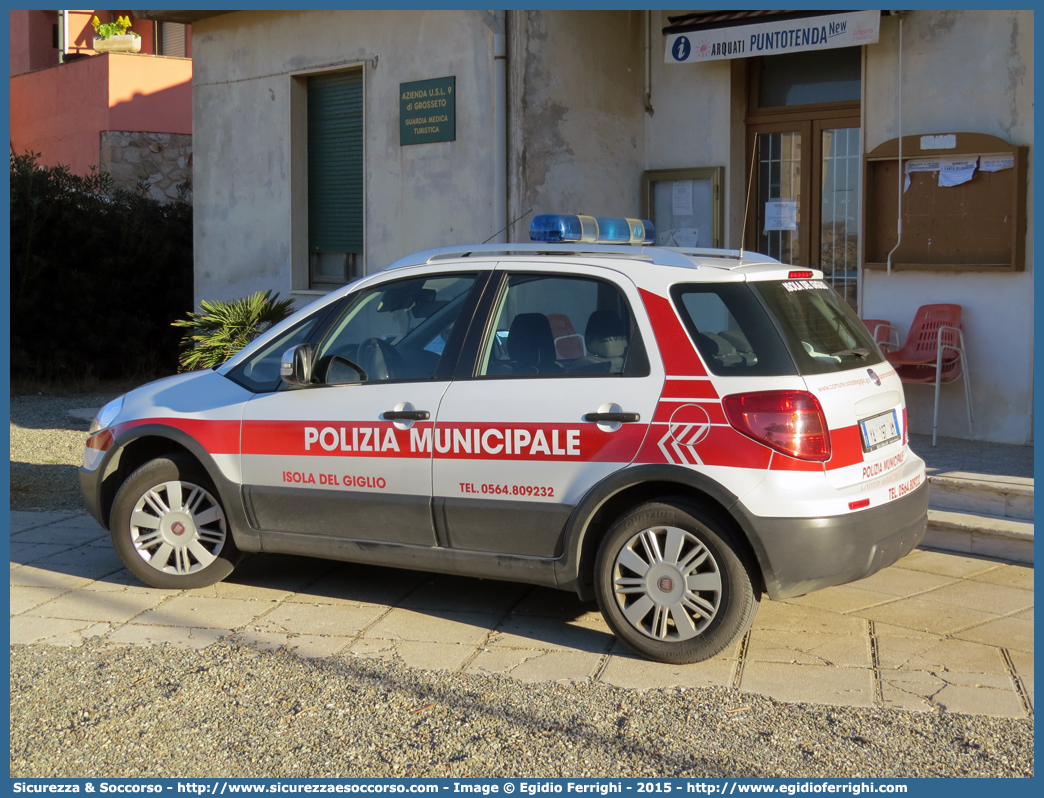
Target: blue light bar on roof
x,y
571,228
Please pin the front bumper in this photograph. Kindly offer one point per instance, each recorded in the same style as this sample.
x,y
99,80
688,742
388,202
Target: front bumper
x,y
90,487
800,555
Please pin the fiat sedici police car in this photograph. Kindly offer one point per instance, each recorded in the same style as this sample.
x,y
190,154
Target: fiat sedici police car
x,y
673,432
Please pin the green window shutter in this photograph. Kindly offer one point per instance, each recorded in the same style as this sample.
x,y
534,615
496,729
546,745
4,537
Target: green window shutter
x,y
335,162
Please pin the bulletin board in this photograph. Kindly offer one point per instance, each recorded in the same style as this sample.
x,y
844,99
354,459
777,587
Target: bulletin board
x,y
955,218
685,205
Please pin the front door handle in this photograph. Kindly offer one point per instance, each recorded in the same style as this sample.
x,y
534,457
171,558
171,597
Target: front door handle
x,y
623,418
406,415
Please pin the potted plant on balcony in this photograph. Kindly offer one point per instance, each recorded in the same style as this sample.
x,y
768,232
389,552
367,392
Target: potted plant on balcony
x,y
114,37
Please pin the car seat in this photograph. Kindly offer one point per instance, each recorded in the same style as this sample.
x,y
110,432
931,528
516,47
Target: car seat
x,y
742,346
717,348
530,346
606,338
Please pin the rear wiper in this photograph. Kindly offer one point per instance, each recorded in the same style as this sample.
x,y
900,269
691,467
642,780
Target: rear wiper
x,y
860,352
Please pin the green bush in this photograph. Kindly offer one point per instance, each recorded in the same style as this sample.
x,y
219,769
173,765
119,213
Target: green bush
x,y
221,329
97,276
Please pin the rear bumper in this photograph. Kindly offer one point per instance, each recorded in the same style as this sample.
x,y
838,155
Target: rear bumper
x,y
800,555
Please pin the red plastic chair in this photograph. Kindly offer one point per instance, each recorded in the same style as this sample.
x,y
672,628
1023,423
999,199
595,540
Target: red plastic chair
x,y
568,344
934,353
882,331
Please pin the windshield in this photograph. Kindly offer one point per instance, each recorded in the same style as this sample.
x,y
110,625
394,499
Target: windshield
x,y
823,332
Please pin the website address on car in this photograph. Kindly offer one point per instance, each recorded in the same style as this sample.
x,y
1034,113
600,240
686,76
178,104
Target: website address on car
x,y
280,787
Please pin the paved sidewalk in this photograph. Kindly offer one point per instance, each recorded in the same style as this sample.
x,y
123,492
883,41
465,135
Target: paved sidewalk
x,y
935,631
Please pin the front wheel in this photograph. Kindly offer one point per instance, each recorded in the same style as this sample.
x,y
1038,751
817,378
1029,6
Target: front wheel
x,y
169,527
672,583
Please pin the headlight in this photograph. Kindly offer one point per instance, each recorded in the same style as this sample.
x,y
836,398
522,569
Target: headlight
x,y
107,415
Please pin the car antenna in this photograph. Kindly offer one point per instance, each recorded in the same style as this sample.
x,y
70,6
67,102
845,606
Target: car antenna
x,y
746,208
523,216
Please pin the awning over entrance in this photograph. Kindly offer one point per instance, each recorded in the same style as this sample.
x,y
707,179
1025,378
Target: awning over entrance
x,y
719,35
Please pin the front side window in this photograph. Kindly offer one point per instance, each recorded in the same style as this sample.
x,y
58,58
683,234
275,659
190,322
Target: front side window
x,y
552,325
397,331
260,372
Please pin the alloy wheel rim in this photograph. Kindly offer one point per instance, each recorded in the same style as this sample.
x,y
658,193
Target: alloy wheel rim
x,y
178,528
667,584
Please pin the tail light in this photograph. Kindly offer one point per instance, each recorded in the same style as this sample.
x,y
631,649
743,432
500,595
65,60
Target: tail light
x,y
791,422
905,427
799,274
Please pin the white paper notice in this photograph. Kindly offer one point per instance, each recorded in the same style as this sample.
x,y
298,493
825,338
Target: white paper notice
x,y
954,172
919,166
682,198
947,142
682,237
994,163
781,215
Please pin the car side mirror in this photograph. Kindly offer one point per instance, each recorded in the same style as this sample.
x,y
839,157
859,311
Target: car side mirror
x,y
296,366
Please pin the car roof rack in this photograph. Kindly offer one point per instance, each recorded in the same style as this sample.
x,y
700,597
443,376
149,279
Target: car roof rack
x,y
744,255
657,255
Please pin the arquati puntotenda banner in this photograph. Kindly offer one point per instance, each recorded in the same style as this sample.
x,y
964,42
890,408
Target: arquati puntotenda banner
x,y
823,32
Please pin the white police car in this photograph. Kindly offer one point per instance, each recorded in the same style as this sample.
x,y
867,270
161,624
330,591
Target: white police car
x,y
674,432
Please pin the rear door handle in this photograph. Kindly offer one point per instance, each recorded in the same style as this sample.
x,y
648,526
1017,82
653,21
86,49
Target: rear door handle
x,y
406,415
624,418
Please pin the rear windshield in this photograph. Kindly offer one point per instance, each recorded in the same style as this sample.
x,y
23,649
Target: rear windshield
x,y
823,333
774,328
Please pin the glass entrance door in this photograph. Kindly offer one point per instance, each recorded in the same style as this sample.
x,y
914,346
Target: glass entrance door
x,y
805,198
778,211
839,217
803,142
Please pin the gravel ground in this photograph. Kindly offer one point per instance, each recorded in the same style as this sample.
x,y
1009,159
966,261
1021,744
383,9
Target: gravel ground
x,y
234,712
230,711
47,449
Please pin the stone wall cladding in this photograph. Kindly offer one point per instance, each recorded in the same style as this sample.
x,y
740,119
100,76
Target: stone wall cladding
x,y
164,159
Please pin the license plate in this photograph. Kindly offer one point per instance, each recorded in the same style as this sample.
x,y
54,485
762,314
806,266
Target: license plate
x,y
879,431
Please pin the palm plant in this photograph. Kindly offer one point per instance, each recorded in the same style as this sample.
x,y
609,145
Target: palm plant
x,y
220,329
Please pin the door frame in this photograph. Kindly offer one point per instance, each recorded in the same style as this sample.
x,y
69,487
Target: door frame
x,y
810,121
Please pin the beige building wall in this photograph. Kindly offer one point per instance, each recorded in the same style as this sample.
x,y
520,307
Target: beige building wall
x,y
249,194
692,120
574,144
963,71
576,122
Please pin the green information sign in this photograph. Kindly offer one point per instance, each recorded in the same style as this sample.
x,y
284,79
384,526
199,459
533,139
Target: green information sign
x,y
428,111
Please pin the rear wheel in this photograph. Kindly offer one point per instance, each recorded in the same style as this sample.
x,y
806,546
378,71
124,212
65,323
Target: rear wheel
x,y
169,527
672,583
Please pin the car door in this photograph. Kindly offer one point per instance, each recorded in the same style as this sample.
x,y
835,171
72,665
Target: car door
x,y
519,439
348,458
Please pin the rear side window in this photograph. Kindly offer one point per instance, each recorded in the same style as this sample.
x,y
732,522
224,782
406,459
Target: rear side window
x,y
732,330
549,325
822,331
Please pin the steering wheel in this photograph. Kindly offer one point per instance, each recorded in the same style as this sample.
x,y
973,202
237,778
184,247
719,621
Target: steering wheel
x,y
380,361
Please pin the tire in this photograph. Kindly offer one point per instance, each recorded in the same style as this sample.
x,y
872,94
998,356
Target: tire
x,y
644,582
169,527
